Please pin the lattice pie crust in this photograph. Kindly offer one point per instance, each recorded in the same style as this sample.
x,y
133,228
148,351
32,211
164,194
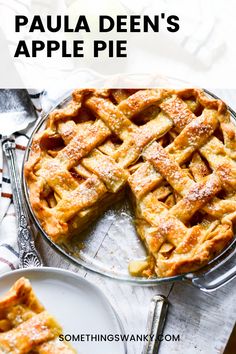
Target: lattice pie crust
x,y
175,150
25,326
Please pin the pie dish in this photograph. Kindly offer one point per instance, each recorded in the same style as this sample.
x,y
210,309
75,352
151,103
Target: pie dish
x,y
172,151
25,325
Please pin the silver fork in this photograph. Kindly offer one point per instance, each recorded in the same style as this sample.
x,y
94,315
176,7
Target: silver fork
x,y
16,115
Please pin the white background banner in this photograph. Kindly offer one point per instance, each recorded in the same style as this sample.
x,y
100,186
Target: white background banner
x,y
202,52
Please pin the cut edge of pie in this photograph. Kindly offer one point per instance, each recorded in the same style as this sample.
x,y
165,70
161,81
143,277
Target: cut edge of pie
x,y
25,325
175,150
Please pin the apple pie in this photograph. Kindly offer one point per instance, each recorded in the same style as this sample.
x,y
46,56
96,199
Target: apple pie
x,y
173,152
25,326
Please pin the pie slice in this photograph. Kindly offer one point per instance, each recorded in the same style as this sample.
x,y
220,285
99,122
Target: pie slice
x,y
25,326
173,150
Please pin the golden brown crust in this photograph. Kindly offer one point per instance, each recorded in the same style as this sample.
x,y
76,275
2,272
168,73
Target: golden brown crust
x,y
175,149
25,326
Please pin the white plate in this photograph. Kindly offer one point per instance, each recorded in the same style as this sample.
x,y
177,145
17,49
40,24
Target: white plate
x,y
79,306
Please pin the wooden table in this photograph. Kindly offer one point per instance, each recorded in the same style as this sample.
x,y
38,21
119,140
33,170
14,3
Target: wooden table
x,y
204,321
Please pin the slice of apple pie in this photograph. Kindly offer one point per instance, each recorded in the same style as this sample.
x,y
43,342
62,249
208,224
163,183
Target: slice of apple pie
x,y
25,325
